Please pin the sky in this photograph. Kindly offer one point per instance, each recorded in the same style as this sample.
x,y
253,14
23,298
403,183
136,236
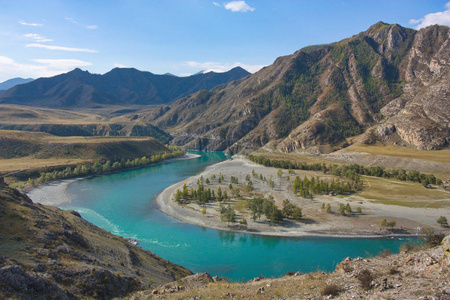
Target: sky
x,y
43,38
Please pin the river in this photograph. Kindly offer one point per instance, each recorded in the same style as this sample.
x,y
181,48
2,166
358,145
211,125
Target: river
x,y
124,204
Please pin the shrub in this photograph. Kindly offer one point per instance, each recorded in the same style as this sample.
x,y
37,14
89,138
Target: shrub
x,y
385,253
331,289
365,279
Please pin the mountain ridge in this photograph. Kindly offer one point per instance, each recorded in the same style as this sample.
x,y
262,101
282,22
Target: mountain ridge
x,y
120,86
320,95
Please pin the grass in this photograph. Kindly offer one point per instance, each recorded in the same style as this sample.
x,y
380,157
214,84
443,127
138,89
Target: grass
x,y
408,194
12,114
442,156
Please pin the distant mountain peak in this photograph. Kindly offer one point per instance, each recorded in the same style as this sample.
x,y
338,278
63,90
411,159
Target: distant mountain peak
x,y
79,88
13,82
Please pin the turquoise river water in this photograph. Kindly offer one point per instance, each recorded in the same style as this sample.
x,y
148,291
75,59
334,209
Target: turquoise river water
x,y
124,204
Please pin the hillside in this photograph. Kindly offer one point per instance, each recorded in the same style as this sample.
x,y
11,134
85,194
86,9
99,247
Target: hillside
x,y
388,82
120,86
56,254
25,155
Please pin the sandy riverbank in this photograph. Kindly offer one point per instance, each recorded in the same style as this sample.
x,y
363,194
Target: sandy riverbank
x,y
315,223
55,194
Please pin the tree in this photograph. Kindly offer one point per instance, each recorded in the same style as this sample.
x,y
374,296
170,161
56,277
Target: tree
x,y
255,205
383,223
204,211
227,214
291,211
391,224
279,173
184,193
342,209
275,215
178,196
348,208
442,221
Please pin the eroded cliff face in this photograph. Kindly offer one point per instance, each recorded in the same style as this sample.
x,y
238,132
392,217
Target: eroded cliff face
x,y
390,77
421,116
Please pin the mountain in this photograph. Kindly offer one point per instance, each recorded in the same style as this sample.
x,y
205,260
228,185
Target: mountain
x,y
388,82
13,82
50,253
120,86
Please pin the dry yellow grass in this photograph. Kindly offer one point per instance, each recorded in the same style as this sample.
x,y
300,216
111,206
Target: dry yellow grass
x,y
15,114
25,163
48,138
408,194
404,152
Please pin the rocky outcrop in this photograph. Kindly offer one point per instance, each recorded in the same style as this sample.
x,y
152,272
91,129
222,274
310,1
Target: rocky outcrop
x,y
389,76
50,253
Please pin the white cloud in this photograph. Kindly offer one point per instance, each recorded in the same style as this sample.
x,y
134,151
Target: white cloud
x,y
440,18
30,24
63,64
91,26
117,65
43,68
217,4
220,67
71,20
38,38
61,48
238,6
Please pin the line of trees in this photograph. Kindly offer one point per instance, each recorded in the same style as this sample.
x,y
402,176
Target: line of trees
x,y
349,171
306,187
107,166
201,194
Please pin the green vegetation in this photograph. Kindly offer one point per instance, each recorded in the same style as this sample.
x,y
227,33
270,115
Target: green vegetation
x,y
291,211
349,171
152,131
104,166
307,187
442,221
259,206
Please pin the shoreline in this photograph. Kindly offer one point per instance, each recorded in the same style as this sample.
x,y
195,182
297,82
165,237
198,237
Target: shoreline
x,y
327,225
54,193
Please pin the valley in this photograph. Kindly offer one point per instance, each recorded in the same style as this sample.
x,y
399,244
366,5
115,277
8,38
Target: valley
x,y
332,145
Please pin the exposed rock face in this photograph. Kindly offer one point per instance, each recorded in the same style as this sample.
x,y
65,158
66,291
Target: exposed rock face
x,y
390,76
50,253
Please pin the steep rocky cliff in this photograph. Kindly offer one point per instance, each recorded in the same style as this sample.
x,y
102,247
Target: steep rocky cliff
x,y
49,253
389,80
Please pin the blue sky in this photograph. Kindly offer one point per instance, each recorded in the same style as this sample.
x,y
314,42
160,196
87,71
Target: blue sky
x,y
47,37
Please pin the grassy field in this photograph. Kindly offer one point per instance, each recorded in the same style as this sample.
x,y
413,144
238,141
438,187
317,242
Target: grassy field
x,y
14,114
31,152
408,194
404,152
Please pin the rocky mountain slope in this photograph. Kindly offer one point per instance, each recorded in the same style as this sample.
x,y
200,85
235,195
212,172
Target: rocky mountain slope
x,y
389,82
120,86
49,253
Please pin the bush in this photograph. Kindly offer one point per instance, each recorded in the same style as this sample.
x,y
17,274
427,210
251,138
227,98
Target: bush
x,y
365,279
385,253
331,289
432,239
